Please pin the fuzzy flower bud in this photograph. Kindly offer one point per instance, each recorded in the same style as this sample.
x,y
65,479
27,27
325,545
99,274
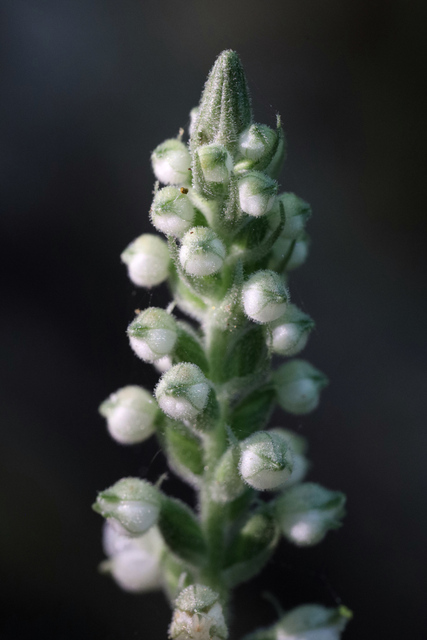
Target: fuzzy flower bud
x,y
298,446
147,259
171,162
152,335
290,332
133,503
264,296
172,212
290,253
183,391
198,615
312,622
216,162
297,212
298,386
202,253
256,141
130,414
266,461
306,512
257,193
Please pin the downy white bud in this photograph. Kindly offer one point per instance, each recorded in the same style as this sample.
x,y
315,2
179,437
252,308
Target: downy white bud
x,y
147,259
266,461
297,212
171,162
312,622
133,503
198,615
298,386
298,445
290,253
202,253
306,512
130,414
152,334
183,391
256,141
264,296
290,332
172,212
257,193
216,162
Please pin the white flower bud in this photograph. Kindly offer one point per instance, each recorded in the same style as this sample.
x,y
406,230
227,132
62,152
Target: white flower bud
x,y
298,445
183,391
130,414
152,334
256,141
312,622
133,503
171,162
202,253
290,332
264,296
298,386
134,562
291,252
198,615
257,193
266,461
297,212
147,259
306,512
172,212
216,162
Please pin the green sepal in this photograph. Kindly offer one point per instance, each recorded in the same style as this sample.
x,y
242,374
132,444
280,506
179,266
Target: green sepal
x,y
188,348
276,165
181,531
253,412
227,485
247,354
268,161
184,452
251,548
188,301
176,575
257,238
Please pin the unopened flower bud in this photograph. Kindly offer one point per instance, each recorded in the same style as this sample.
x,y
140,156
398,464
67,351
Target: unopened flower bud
x,y
133,503
183,391
266,461
256,141
198,615
152,334
297,212
172,212
298,386
147,259
264,296
298,446
216,162
202,253
257,193
312,622
306,512
130,414
171,162
290,253
290,332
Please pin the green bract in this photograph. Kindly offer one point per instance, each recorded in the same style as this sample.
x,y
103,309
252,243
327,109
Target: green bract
x,y
232,238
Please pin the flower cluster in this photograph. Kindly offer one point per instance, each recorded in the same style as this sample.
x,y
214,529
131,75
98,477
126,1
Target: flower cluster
x,y
231,239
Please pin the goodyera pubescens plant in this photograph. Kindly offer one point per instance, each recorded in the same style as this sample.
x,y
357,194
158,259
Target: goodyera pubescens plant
x,y
231,241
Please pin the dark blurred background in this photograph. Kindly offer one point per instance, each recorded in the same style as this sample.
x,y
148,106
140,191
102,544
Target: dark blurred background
x,y
89,88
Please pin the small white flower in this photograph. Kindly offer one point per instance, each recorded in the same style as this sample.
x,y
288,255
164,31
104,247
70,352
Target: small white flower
x,y
153,334
256,141
198,615
298,386
264,296
290,332
257,193
202,253
291,253
266,461
216,162
183,391
312,622
297,212
130,414
171,162
172,212
147,259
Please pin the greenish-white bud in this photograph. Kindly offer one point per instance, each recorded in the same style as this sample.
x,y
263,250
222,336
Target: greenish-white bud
x,y
153,334
216,162
298,385
134,563
256,141
298,445
147,259
172,212
290,332
257,193
202,253
264,296
297,212
198,615
133,503
130,413
171,162
183,391
290,253
266,461
313,622
306,512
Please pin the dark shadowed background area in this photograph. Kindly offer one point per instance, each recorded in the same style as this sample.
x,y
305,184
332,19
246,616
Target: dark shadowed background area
x,y
89,88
